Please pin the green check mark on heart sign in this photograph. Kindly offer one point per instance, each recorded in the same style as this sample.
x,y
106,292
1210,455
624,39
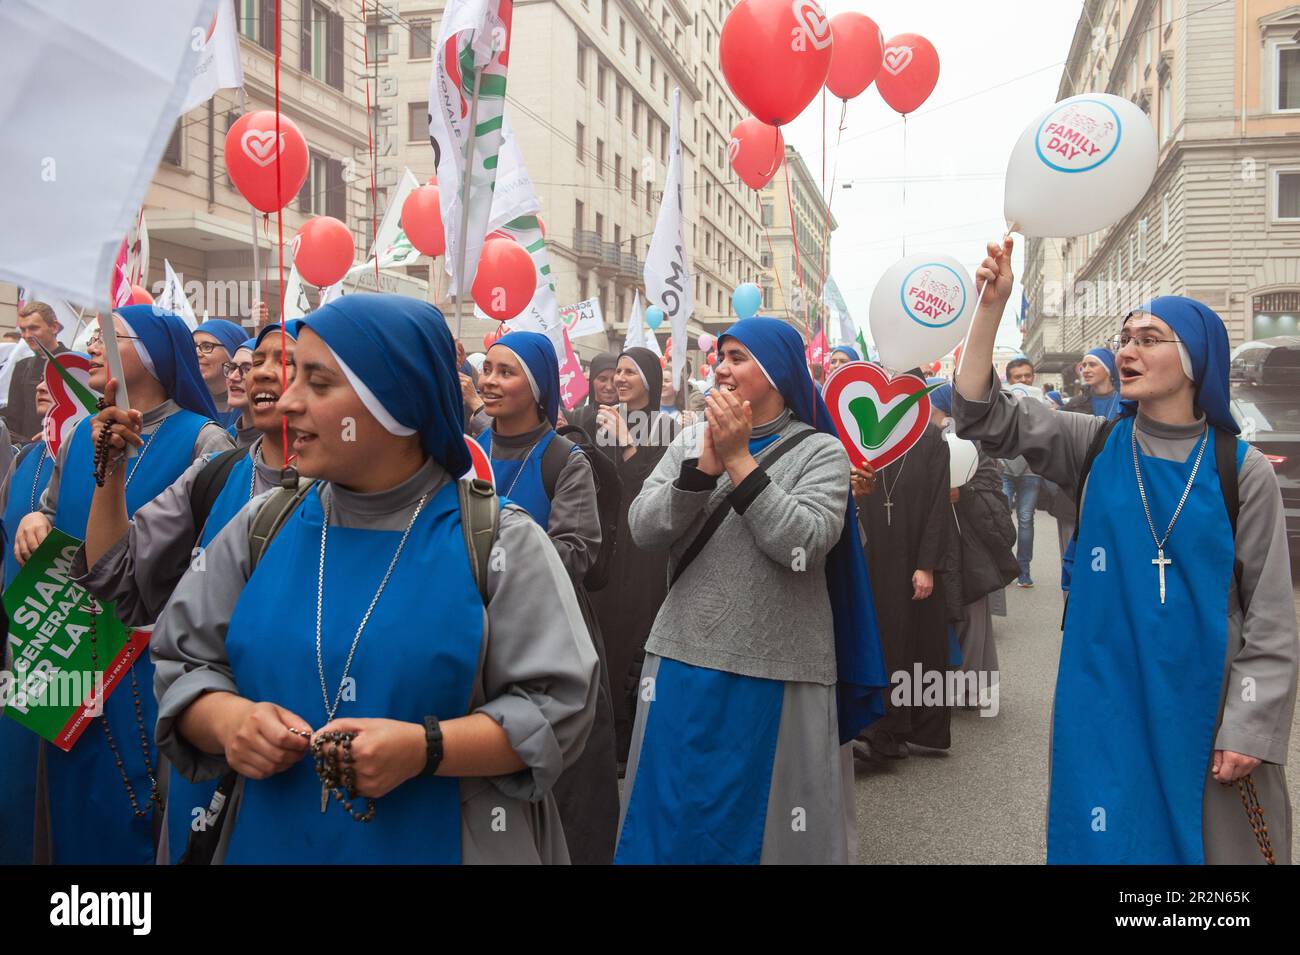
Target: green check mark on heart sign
x,y
876,431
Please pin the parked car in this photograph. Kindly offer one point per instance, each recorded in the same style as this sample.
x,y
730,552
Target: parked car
x,y
1265,391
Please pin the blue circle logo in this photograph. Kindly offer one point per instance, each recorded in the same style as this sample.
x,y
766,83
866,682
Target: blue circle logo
x,y
932,299
1074,134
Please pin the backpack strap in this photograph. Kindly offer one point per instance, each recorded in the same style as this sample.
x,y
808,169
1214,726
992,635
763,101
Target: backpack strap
x,y
1225,461
554,458
210,482
1094,449
480,519
271,516
779,450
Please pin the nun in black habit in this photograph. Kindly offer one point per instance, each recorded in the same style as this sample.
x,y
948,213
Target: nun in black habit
x,y
634,435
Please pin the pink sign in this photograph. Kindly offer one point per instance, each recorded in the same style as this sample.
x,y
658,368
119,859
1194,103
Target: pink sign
x,y
573,383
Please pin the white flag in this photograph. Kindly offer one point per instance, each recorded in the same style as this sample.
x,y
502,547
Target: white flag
x,y
218,67
583,318
330,293
296,303
635,337
72,75
174,299
667,271
472,52
391,244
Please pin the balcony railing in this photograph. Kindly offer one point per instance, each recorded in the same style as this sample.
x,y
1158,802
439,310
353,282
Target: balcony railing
x,y
587,245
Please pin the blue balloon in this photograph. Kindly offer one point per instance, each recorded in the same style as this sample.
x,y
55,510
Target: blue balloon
x,y
746,299
654,316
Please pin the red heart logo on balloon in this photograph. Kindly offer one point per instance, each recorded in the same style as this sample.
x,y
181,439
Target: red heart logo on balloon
x,y
816,27
259,145
878,418
733,149
897,58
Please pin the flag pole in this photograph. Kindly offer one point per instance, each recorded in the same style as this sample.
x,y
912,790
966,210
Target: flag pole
x,y
464,201
108,331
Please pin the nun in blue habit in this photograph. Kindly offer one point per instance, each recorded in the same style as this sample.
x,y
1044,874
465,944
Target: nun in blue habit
x,y
1101,393
550,477
137,564
94,811
215,342
1177,677
765,659
415,669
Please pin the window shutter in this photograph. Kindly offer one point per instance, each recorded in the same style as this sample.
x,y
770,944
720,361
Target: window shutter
x,y
304,36
267,36
304,194
335,191
334,66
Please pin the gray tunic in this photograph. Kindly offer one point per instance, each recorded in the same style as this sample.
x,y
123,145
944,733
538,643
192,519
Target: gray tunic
x,y
211,437
536,676
141,569
1262,642
731,611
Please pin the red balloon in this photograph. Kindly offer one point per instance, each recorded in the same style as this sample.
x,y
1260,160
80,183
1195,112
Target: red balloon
x,y
775,54
140,295
712,358
856,54
494,336
755,151
325,251
506,279
422,221
251,159
909,69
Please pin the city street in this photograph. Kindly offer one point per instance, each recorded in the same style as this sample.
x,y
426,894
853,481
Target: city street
x,y
985,799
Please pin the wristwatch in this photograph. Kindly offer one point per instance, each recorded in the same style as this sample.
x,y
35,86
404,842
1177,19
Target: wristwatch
x,y
432,745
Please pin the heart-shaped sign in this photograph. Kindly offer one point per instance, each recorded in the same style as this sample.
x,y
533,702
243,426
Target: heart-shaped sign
x,y
816,27
259,145
896,59
878,418
66,411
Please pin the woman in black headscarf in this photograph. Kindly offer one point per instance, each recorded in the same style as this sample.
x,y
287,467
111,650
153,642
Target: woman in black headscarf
x,y
600,391
634,436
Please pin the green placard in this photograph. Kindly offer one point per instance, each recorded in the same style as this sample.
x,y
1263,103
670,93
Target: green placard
x,y
54,689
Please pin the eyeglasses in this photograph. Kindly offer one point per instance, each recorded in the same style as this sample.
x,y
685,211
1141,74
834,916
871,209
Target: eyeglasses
x,y
229,368
205,348
1142,341
98,339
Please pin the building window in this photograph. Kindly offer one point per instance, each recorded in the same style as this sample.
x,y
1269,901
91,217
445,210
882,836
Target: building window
x,y
600,82
582,63
600,225
1166,12
377,38
1287,184
604,14
632,176
172,154
582,289
618,173
324,192
649,193
600,158
321,50
421,39
417,122
582,143
1142,239
1164,219
638,53
636,117
257,22
767,214
618,99
577,215
622,34
1166,107
1288,78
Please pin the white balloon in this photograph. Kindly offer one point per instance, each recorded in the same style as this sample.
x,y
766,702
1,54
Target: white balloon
x,y
1080,167
963,459
920,310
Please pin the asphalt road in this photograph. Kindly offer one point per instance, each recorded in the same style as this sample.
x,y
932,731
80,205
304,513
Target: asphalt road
x,y
985,799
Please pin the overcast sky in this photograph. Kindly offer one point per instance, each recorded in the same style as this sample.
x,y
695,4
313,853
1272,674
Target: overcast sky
x,y
1000,65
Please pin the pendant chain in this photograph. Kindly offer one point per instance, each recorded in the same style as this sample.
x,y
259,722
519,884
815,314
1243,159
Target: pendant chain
x,y
320,590
1142,491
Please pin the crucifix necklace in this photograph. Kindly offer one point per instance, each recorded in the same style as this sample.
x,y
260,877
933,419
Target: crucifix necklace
x,y
889,493
1161,561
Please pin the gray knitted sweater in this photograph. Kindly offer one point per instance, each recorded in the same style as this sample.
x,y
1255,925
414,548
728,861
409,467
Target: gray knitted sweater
x,y
754,601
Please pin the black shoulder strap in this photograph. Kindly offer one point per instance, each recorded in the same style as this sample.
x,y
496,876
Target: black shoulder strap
x,y
1094,449
282,502
1225,459
210,483
722,510
480,518
553,460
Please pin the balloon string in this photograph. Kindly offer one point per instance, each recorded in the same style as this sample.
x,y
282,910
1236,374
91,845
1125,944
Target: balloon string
x,y
979,296
370,145
830,196
776,271
904,178
279,226
794,239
